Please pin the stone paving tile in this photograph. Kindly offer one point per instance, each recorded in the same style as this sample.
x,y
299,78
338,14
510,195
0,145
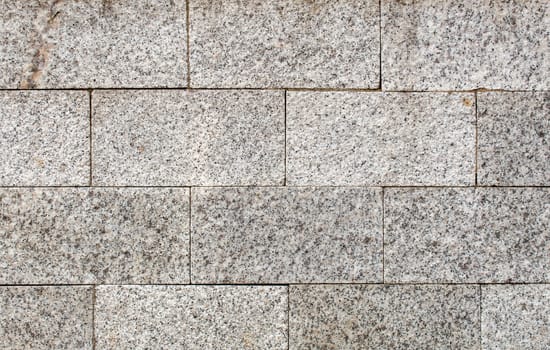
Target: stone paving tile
x,y
44,138
515,317
467,235
514,138
285,43
180,138
46,317
102,235
93,43
368,138
384,317
191,317
282,235
463,45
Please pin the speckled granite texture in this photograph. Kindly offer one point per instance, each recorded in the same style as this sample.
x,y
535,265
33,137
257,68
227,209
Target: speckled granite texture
x,y
286,174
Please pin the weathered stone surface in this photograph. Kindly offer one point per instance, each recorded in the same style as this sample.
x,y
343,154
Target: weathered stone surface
x,y
463,45
515,317
467,235
285,43
180,138
44,138
514,138
93,43
282,235
46,317
358,138
384,317
100,235
191,317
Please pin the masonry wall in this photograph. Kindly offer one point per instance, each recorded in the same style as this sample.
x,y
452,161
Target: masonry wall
x,y
286,174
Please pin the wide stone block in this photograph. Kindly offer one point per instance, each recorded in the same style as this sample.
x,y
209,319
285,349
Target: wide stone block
x,y
515,317
44,138
384,317
100,235
46,317
463,235
191,317
464,45
371,138
286,235
93,43
514,138
181,138
285,43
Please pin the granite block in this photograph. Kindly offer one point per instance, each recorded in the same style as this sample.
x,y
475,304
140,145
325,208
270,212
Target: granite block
x,y
93,43
515,317
285,43
514,138
191,317
384,317
286,235
461,235
44,138
46,317
371,138
463,45
100,235
181,138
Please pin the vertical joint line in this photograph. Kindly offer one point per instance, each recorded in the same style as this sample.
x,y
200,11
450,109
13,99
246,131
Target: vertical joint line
x,y
480,337
476,141
288,316
189,232
380,43
90,135
187,26
93,317
383,238
284,179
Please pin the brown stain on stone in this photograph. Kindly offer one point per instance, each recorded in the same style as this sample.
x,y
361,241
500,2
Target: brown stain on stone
x,y
467,102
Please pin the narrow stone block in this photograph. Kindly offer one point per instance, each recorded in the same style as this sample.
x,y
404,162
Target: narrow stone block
x,y
44,138
46,317
191,317
515,317
363,138
464,45
384,317
100,235
180,138
93,43
464,235
285,43
514,138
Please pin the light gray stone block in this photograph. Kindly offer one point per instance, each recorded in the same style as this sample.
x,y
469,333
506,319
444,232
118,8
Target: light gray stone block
x,y
285,43
102,235
514,138
93,43
191,317
384,317
46,317
458,45
364,138
463,235
180,138
44,138
286,235
515,317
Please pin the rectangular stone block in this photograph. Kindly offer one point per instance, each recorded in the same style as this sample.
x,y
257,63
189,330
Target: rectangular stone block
x,y
514,138
515,317
44,138
181,138
93,43
464,45
371,138
191,317
46,317
384,317
285,43
460,235
286,235
100,235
